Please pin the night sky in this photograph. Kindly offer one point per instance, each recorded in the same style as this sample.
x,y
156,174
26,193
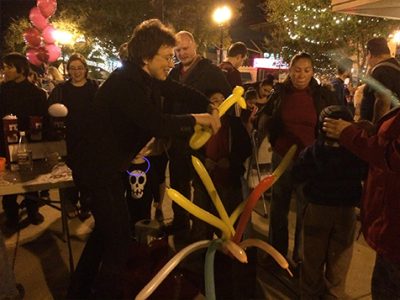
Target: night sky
x,y
13,9
20,8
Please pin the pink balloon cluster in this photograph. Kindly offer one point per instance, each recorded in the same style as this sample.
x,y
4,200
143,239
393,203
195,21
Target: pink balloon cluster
x,y
40,39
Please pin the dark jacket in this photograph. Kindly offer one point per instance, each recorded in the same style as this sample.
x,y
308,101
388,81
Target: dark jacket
x,y
231,73
22,99
380,209
331,175
388,74
78,101
125,115
204,77
270,120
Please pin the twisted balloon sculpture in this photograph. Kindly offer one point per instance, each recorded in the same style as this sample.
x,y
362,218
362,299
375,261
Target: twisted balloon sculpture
x,y
230,241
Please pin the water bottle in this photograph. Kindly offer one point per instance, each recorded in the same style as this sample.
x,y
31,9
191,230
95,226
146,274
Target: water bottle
x,y
24,154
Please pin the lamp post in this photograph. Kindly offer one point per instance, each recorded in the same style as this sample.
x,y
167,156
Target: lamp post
x,y
63,38
396,40
221,16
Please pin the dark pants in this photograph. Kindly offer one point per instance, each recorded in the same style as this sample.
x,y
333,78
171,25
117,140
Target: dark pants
x,y
180,171
106,252
328,235
279,211
385,282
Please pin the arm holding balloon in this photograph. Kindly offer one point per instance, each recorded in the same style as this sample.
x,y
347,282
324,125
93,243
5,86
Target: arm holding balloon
x,y
203,132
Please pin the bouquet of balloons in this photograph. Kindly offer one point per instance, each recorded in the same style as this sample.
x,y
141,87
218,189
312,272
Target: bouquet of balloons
x,y
40,39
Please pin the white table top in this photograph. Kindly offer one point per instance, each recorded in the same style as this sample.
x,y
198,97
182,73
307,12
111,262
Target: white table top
x,y
41,178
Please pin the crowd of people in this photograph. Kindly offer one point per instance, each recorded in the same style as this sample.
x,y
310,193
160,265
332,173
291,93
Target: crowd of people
x,y
121,135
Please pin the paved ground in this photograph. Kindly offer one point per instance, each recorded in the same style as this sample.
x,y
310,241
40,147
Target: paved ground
x,y
41,259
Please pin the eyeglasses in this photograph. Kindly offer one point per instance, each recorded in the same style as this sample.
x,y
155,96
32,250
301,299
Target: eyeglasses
x,y
169,58
76,68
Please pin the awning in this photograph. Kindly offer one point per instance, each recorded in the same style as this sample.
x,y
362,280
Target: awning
x,y
373,8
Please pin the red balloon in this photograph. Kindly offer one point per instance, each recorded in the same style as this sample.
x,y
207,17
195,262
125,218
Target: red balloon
x,y
31,55
251,201
47,7
48,34
37,18
53,52
42,54
32,37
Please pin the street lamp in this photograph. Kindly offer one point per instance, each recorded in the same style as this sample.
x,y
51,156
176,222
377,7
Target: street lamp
x,y
396,40
63,38
221,16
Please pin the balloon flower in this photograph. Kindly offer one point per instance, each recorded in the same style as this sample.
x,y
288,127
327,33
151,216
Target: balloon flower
x,y
229,243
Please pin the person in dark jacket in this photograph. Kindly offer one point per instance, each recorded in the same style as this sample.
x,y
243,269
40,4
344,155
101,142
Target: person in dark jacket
x,y
76,94
331,178
199,73
23,99
344,67
385,69
125,114
290,118
237,54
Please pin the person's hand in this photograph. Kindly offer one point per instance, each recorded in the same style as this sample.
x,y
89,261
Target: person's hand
x,y
210,120
334,128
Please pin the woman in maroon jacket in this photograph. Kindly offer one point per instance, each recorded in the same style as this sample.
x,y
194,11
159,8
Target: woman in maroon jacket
x,y
381,202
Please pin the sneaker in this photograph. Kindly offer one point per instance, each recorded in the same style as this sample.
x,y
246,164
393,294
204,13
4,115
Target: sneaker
x,y
35,219
84,213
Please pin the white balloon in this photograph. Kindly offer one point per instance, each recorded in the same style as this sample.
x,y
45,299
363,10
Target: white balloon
x,y
58,110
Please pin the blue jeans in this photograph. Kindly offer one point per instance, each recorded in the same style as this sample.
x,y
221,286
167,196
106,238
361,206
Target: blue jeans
x,y
385,282
279,211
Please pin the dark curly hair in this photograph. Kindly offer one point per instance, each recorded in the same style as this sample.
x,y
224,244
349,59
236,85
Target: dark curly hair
x,y
146,40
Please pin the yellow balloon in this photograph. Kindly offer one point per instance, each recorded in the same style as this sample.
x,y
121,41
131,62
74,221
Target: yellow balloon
x,y
200,136
202,133
232,99
286,160
198,212
205,178
236,251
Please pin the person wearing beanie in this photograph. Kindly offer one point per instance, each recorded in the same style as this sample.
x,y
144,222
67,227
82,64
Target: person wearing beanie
x,y
331,182
385,70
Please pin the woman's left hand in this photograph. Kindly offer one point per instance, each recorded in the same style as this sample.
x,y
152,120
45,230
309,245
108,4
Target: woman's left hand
x,y
334,128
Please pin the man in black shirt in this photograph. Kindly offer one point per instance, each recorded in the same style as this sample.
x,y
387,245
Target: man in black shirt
x,y
23,99
201,74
